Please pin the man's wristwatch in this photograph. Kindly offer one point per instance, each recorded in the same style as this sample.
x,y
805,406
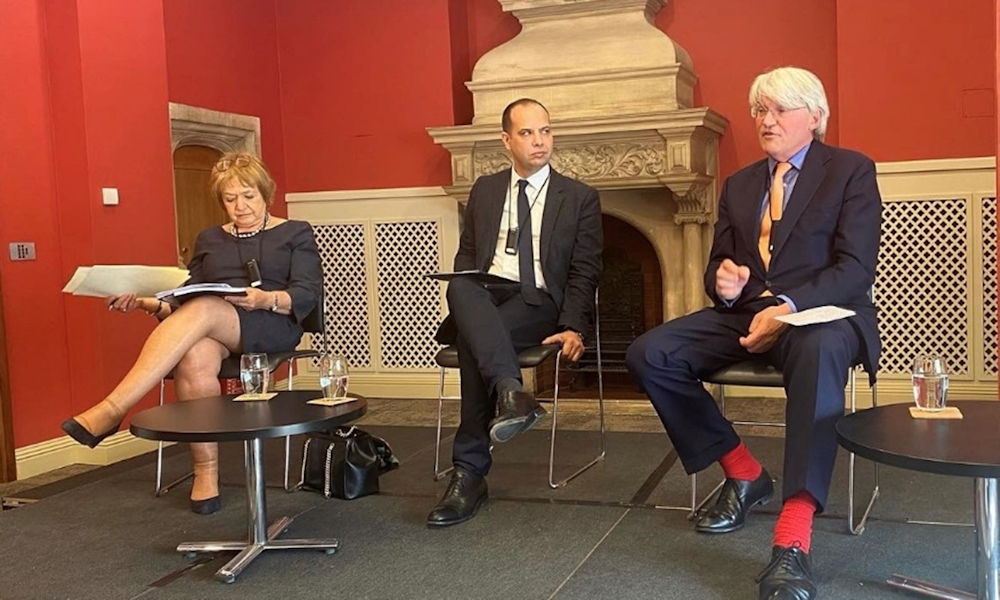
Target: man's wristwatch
x,y
274,303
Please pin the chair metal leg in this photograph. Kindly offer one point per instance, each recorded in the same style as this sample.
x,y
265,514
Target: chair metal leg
x,y
438,474
160,488
288,438
697,505
857,528
555,417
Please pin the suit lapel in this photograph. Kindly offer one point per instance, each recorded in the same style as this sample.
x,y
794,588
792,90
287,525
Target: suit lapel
x,y
748,211
496,196
553,203
813,172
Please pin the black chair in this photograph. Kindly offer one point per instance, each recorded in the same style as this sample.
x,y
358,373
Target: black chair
x,y
760,374
230,369
447,358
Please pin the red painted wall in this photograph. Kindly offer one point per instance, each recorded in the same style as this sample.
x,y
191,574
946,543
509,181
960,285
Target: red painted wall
x,y
346,89
360,82
729,44
223,55
917,79
906,79
33,308
89,111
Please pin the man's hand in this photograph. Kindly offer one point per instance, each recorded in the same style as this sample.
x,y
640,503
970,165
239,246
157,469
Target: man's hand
x,y
730,279
764,330
572,343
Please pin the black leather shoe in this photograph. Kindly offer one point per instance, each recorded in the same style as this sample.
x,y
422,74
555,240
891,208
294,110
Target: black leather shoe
x,y
735,500
79,433
206,506
787,577
466,492
517,411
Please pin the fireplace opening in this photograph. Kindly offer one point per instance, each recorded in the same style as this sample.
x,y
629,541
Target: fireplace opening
x,y
631,302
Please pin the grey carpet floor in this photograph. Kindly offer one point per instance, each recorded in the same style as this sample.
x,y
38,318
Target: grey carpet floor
x,y
609,534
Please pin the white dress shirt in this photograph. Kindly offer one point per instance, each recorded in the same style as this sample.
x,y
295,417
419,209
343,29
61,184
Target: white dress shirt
x,y
506,265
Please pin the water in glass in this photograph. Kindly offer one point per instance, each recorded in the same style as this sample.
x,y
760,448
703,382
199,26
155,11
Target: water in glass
x,y
930,383
333,376
254,373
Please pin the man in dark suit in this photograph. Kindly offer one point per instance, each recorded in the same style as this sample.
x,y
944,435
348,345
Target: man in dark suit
x,y
796,230
543,230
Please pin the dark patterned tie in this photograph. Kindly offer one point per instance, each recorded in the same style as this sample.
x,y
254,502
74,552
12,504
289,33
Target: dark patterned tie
x,y
525,261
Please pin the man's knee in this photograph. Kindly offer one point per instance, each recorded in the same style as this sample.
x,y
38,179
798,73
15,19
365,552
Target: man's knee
x,y
460,288
651,349
831,340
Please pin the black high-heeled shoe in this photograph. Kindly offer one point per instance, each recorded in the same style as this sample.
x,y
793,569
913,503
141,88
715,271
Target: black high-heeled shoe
x,y
206,506
79,433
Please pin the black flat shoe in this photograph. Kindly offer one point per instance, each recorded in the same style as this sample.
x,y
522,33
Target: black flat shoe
x,y
465,494
79,433
517,412
787,577
735,500
206,506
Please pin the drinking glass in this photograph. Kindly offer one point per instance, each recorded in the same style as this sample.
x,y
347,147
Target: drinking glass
x,y
930,382
254,373
333,376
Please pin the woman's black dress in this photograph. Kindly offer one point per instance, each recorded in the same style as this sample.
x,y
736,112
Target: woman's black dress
x,y
288,259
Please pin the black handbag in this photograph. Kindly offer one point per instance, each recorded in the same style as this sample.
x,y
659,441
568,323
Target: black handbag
x,y
345,463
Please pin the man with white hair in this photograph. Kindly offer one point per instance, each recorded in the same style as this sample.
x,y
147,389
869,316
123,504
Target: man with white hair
x,y
796,230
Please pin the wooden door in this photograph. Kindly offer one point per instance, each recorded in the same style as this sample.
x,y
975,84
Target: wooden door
x,y
196,208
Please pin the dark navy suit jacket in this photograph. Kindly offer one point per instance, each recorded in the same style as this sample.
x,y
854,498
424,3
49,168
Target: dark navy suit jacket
x,y
570,245
825,246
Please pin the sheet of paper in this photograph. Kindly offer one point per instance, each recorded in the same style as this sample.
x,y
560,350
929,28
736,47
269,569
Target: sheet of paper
x,y
820,314
480,276
110,280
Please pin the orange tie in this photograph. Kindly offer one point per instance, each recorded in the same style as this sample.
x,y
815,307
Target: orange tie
x,y
773,212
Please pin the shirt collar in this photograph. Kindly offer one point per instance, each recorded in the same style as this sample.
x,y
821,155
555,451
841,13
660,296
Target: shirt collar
x,y
536,180
796,160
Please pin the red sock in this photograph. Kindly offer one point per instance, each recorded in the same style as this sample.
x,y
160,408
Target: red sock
x,y
795,522
738,463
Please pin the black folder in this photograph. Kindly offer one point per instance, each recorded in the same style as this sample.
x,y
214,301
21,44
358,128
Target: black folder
x,y
487,279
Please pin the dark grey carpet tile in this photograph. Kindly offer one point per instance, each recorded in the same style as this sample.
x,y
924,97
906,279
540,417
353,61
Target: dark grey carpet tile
x,y
904,494
510,550
104,535
520,467
656,554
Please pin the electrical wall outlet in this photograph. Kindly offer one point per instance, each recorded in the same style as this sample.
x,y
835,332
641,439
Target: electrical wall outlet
x,y
22,250
109,196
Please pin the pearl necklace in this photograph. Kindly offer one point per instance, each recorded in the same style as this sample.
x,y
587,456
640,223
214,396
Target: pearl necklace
x,y
248,234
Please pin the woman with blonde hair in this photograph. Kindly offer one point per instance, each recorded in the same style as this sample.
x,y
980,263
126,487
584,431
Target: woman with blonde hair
x,y
192,339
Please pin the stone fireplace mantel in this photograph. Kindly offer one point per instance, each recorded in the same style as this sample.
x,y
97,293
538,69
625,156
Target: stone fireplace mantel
x,y
620,95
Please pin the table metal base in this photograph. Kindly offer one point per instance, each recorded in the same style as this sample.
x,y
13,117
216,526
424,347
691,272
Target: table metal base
x,y
259,538
987,507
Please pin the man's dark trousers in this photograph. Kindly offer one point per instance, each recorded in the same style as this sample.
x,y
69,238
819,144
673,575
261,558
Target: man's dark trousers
x,y
493,325
670,360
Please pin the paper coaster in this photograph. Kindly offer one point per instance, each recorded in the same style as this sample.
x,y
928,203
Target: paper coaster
x,y
330,401
949,412
254,397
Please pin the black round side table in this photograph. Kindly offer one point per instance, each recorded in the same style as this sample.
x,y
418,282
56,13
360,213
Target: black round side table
x,y
220,419
967,447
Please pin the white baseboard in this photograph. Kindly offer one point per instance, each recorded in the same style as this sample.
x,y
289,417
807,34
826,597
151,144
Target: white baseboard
x,y
394,385
62,451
